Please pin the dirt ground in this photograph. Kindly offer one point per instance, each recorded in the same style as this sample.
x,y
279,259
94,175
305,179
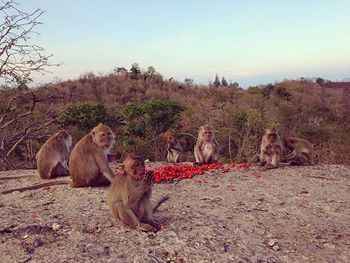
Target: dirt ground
x,y
290,214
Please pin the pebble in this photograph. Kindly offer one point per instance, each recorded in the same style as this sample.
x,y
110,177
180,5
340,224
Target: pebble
x,y
56,227
272,242
276,247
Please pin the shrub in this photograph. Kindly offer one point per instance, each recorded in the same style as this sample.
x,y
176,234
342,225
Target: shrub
x,y
85,116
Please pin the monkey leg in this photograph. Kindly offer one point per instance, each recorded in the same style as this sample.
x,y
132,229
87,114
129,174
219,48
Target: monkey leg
x,y
60,169
149,215
100,180
290,156
276,158
198,156
128,217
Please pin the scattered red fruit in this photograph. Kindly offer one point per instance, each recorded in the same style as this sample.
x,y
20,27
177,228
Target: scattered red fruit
x,y
304,191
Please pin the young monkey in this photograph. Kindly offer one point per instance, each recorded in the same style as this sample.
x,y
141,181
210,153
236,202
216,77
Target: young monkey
x,y
271,149
129,196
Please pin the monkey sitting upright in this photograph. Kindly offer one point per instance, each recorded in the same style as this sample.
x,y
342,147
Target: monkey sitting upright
x,y
302,152
53,156
129,196
207,148
174,149
88,164
271,149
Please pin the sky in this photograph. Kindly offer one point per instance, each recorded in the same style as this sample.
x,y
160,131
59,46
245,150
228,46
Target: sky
x,y
250,42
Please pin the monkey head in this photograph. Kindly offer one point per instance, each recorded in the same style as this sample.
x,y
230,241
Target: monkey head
x,y
206,133
271,136
171,142
65,137
134,166
103,136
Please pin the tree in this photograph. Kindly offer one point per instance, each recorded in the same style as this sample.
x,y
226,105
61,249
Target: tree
x,y
216,82
135,71
320,81
85,116
22,126
19,58
224,82
188,82
147,121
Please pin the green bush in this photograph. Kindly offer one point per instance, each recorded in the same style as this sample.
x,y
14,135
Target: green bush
x,y
85,116
146,122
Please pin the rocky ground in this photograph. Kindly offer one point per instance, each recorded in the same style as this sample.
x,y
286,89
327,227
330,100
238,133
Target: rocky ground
x,y
291,214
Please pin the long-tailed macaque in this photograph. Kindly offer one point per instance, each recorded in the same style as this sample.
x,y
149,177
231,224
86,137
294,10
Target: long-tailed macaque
x,y
302,152
271,149
88,165
53,156
174,149
207,148
129,196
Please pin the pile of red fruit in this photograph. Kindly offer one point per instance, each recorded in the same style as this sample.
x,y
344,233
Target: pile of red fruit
x,y
168,173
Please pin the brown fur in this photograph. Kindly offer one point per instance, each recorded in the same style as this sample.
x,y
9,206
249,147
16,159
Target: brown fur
x,y
207,148
129,196
88,164
53,156
271,149
302,152
174,150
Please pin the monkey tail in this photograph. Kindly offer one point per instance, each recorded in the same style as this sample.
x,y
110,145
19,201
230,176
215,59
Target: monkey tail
x,y
37,186
161,201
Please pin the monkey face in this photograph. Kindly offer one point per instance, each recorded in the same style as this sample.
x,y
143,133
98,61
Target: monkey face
x,y
207,135
104,138
138,170
272,138
171,143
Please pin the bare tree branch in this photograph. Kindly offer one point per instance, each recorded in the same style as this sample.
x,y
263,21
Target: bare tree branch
x,y
18,57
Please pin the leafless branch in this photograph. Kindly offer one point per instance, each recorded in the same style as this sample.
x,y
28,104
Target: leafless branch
x,y
19,58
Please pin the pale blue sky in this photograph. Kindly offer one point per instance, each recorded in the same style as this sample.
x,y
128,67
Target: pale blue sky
x,y
250,42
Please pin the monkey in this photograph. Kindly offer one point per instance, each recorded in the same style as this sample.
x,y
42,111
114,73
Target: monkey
x,y
271,149
302,152
206,149
174,149
88,165
129,196
53,156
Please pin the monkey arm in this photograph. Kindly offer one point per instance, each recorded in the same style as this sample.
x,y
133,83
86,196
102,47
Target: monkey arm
x,y
103,165
198,154
135,195
126,215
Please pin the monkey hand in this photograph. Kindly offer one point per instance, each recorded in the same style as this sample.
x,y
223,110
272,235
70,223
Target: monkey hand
x,y
149,177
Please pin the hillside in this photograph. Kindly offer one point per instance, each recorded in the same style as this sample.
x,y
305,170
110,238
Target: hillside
x,y
292,214
141,106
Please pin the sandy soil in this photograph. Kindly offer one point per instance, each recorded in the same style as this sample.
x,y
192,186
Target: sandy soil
x,y
291,214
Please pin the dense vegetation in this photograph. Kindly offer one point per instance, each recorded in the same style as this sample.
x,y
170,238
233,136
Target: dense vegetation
x,y
140,106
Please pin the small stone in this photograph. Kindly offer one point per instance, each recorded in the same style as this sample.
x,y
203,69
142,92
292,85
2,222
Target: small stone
x,y
106,251
56,227
272,242
25,236
276,247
